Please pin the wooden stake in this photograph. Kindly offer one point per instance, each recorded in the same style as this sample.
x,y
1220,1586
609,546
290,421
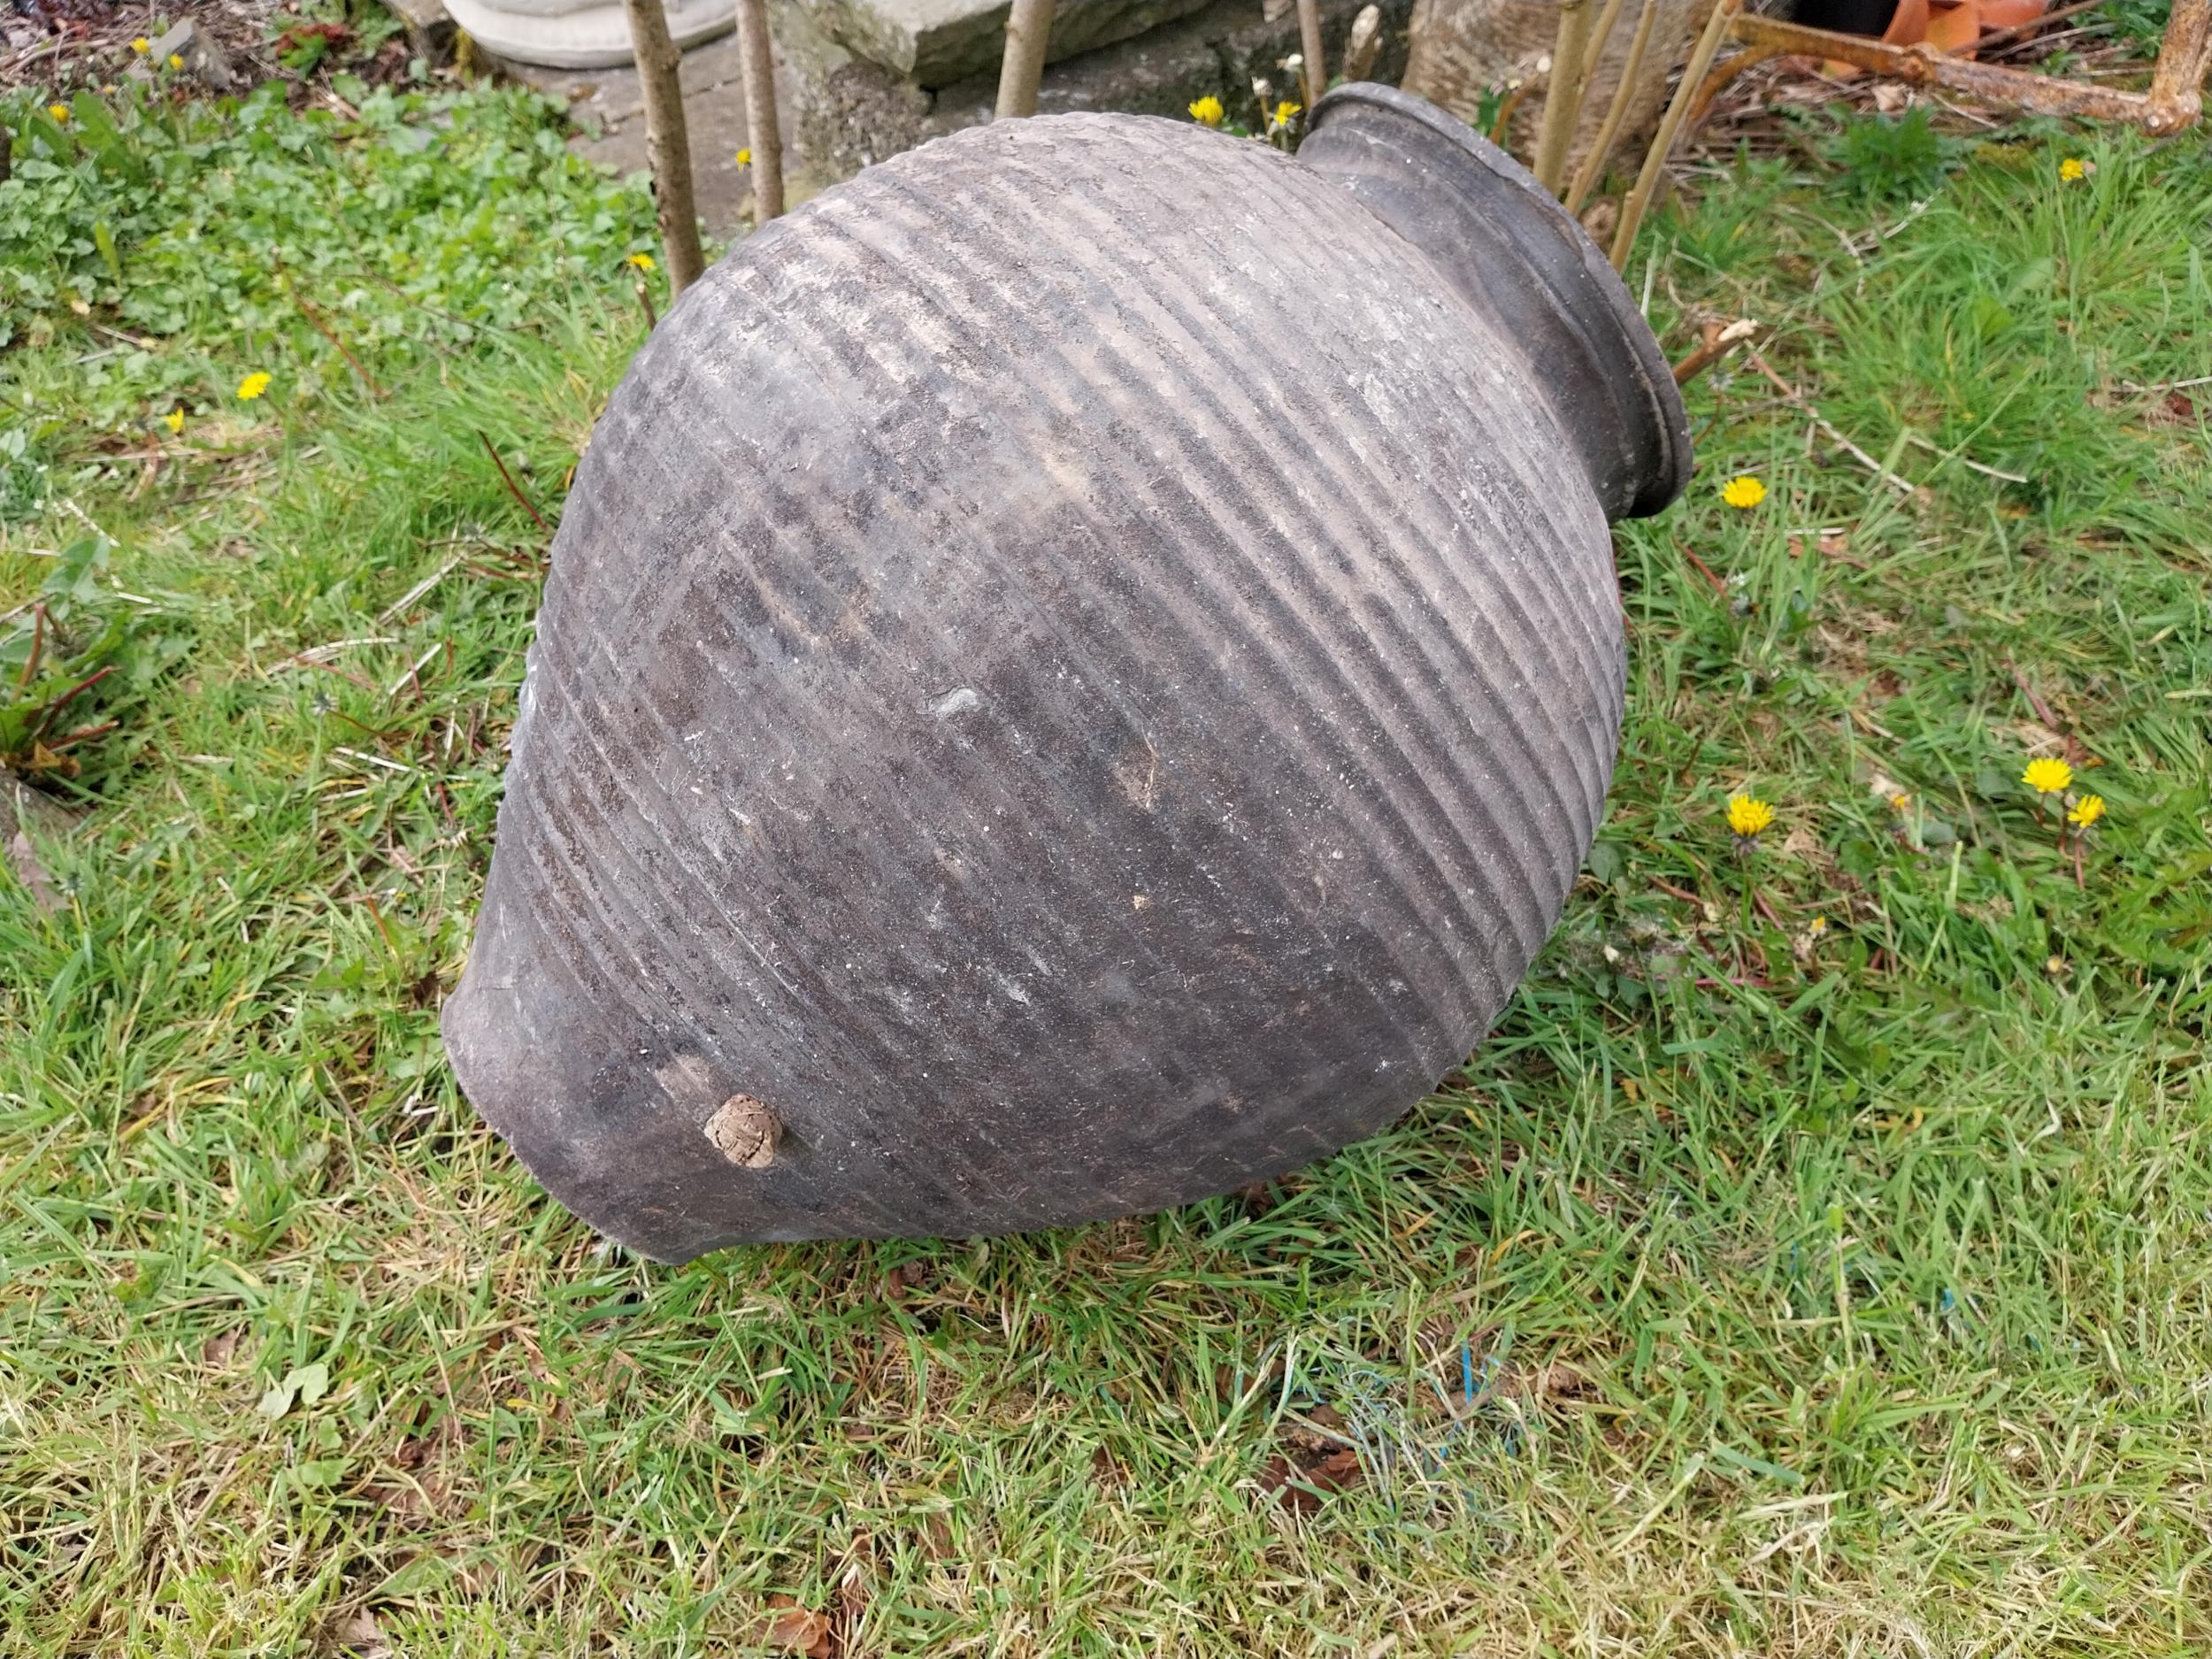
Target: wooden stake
x,y
1717,343
1593,165
1503,121
508,478
667,144
1364,43
756,61
1600,38
315,320
1561,91
1638,201
1310,43
1027,28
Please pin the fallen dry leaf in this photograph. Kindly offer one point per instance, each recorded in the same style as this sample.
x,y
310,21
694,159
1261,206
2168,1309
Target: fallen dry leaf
x,y
1562,1381
936,1538
23,859
796,1629
358,1633
2037,738
219,1348
23,812
852,1596
2173,410
1300,1481
904,1278
1109,1474
1322,1433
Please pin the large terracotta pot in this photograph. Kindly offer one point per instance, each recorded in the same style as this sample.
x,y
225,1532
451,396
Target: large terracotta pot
x,y
1078,670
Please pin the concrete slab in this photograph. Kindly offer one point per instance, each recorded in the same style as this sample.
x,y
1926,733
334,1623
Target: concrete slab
x,y
841,112
429,27
939,42
853,112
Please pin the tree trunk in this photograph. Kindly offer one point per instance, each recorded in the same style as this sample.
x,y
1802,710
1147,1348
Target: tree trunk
x,y
667,145
757,56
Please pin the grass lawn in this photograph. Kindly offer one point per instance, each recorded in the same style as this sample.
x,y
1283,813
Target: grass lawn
x,y
1818,1259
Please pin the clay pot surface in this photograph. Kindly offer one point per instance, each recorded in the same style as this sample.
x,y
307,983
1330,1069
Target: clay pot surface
x,y
1078,671
1955,29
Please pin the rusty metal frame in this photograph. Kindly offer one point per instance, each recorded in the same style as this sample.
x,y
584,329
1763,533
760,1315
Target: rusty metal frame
x,y
2175,101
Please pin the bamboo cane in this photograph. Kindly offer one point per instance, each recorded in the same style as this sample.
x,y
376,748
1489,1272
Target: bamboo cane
x,y
1364,43
1616,113
1638,201
1310,44
756,62
1601,38
1027,26
1560,99
667,145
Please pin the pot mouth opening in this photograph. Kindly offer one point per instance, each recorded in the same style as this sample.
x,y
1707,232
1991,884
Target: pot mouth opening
x,y
1507,246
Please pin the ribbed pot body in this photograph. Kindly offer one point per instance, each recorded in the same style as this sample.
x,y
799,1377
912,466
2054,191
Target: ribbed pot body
x,y
1075,675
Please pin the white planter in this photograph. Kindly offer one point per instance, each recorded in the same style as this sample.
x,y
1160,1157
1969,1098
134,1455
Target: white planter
x,y
579,34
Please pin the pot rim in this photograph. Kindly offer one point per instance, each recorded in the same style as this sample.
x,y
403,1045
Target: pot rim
x,y
1670,418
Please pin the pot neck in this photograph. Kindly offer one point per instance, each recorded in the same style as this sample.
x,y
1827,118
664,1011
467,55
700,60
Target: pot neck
x,y
1520,260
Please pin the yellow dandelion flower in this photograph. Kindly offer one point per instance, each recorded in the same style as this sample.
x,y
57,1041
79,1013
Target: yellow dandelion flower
x,y
2047,777
2086,810
142,46
1817,927
174,420
1901,802
2071,170
60,112
253,386
642,261
1743,491
1207,111
2055,965
1284,112
1748,816
745,157
176,61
